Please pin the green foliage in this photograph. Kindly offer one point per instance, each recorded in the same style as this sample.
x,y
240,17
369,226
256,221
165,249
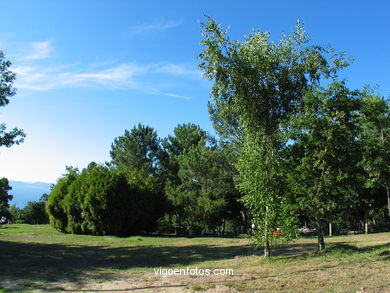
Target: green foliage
x,y
259,81
257,85
262,180
55,204
185,136
7,77
136,154
14,213
7,139
203,193
375,136
324,152
99,201
198,180
4,197
33,213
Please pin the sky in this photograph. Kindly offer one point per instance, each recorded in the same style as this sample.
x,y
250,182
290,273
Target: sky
x,y
88,70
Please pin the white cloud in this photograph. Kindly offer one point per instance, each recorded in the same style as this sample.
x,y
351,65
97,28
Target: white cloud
x,y
182,70
158,24
38,50
103,63
43,79
176,96
120,76
34,72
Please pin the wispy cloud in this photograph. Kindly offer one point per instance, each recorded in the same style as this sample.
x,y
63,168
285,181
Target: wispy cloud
x,y
38,78
36,73
183,70
158,24
156,79
38,50
25,51
176,96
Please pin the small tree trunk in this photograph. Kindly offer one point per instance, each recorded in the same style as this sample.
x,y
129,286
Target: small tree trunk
x,y
388,198
330,229
366,227
267,249
243,222
320,235
321,242
267,246
177,224
169,223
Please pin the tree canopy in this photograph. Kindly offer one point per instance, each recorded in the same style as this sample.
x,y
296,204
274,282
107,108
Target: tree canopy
x,y
264,94
7,77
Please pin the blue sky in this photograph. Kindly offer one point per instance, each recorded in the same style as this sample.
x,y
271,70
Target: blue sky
x,y
88,70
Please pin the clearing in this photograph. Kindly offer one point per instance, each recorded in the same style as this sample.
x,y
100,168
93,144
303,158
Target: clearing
x,y
36,258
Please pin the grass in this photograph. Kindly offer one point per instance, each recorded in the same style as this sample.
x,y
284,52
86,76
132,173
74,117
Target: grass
x,y
38,258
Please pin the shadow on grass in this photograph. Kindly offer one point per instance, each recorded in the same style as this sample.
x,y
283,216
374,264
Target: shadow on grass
x,y
57,262
340,249
348,249
24,264
40,262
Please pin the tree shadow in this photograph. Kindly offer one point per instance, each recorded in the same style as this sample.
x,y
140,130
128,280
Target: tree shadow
x,y
303,251
294,249
41,262
48,263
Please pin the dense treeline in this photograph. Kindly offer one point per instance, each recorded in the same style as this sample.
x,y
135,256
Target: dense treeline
x,y
296,147
182,184
309,147
33,213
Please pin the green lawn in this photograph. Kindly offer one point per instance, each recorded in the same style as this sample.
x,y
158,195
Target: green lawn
x,y
37,258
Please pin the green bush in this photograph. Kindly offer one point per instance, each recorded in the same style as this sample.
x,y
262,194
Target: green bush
x,y
101,201
55,206
34,213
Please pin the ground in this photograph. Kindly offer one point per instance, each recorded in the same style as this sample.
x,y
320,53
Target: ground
x,y
36,258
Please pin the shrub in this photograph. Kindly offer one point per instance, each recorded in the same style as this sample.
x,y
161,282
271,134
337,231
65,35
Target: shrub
x,y
101,201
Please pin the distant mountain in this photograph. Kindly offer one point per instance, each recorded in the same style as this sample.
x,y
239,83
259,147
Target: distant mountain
x,y
24,192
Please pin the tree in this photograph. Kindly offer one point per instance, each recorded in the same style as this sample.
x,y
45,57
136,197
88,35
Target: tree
x,y
260,81
136,154
14,213
7,77
375,136
206,190
33,213
4,197
184,137
226,121
262,180
324,153
7,139
55,206
100,201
